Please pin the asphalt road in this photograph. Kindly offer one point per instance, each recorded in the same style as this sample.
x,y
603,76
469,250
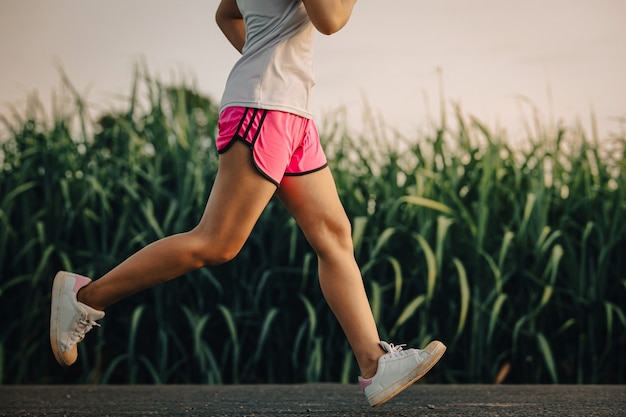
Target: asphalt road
x,y
310,400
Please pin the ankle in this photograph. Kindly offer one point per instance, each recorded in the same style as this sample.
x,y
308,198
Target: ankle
x,y
82,296
369,364
369,372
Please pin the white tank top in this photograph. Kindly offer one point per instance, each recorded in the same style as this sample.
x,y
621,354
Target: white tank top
x,y
275,71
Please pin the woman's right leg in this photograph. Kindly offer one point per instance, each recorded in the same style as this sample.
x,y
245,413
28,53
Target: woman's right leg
x,y
238,198
313,201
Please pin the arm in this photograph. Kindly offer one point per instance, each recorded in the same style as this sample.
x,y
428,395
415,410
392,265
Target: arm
x,y
328,16
230,21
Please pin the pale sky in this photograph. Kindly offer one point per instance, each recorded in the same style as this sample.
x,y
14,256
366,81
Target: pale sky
x,y
568,57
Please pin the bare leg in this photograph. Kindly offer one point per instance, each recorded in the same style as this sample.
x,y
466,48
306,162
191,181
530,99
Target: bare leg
x,y
237,199
313,201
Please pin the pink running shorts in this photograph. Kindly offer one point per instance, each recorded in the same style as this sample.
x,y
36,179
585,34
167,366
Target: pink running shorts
x,y
282,143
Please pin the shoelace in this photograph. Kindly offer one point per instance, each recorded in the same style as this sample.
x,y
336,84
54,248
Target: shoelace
x,y
396,350
84,325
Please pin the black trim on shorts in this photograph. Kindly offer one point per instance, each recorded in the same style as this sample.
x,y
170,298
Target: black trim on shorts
x,y
258,131
299,174
242,138
250,145
262,173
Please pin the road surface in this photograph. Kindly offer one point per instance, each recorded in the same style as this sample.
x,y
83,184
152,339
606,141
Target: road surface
x,y
310,400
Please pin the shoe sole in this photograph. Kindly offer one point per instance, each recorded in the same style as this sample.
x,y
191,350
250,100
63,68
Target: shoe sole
x,y
57,294
435,349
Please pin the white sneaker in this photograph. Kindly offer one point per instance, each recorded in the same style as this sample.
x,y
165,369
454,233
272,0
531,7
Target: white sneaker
x,y
398,369
70,319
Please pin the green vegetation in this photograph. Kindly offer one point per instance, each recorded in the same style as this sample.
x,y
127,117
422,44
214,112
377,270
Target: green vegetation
x,y
511,255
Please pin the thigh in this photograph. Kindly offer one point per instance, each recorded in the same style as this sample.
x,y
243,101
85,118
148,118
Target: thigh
x,y
238,197
313,201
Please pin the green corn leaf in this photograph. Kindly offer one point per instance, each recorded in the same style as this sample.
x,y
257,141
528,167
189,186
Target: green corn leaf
x,y
495,314
546,352
407,313
265,329
431,264
464,297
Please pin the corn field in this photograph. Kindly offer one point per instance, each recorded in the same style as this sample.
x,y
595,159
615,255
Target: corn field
x,y
512,255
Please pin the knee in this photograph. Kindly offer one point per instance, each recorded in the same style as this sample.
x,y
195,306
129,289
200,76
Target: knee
x,y
211,251
218,257
343,234
334,236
